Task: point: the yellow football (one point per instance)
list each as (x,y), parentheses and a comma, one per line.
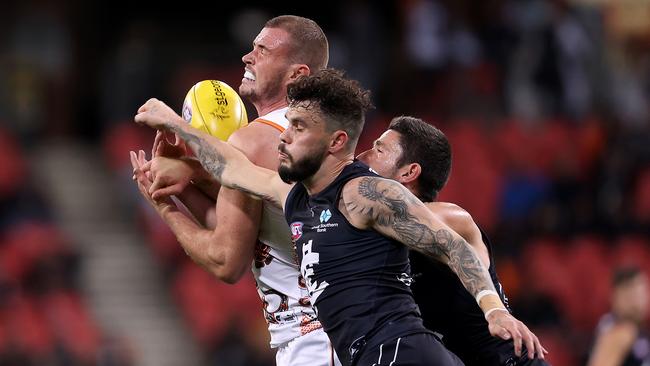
(215,108)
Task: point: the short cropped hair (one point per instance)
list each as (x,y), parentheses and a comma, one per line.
(426,145)
(309,44)
(343,102)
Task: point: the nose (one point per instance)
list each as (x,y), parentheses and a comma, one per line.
(284,136)
(248,58)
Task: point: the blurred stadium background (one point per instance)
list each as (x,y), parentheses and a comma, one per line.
(546,104)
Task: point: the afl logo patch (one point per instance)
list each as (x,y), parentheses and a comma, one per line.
(296,230)
(187,111)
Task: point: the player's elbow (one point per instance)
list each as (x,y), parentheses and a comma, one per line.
(229,276)
(227,267)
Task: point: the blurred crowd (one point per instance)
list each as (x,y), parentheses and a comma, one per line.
(546,104)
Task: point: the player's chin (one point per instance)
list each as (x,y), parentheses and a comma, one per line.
(285,173)
(246,87)
(285,165)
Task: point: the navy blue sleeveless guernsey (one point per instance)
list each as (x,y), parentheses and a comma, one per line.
(358,280)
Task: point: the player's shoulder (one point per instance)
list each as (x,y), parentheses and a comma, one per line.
(375,188)
(257,141)
(449,208)
(452,213)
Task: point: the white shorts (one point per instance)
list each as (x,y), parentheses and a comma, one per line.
(311,349)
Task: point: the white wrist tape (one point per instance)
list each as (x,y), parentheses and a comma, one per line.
(487,313)
(484,293)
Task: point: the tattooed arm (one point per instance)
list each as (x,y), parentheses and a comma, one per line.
(388,207)
(391,209)
(224,162)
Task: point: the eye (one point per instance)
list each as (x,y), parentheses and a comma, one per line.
(296,126)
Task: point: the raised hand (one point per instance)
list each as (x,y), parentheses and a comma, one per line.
(143,180)
(156,114)
(163,145)
(169,176)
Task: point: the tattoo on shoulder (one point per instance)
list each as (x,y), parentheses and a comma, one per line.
(212,160)
(388,203)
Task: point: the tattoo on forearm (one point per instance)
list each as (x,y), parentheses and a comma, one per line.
(212,160)
(214,163)
(439,244)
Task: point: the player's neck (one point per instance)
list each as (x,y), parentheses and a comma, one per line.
(330,169)
(266,107)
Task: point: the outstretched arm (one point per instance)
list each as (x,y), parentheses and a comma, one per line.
(388,207)
(462,222)
(224,162)
(391,209)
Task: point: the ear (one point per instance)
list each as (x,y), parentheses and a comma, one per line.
(409,173)
(339,141)
(297,71)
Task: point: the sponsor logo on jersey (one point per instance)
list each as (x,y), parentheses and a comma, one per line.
(325,216)
(323,227)
(296,230)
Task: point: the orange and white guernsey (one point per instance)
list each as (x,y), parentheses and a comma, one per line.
(283,291)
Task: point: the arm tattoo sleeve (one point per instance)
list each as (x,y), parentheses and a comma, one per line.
(212,160)
(439,244)
(214,163)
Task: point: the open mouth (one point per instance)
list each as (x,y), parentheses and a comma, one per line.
(249,76)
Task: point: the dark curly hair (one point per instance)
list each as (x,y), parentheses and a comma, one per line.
(343,102)
(426,145)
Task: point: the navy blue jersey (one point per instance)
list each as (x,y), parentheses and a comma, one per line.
(358,280)
(458,318)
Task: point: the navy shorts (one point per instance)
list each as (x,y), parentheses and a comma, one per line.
(421,349)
